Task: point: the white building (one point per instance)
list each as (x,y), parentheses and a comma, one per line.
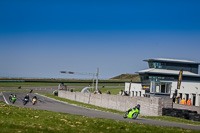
(161,79)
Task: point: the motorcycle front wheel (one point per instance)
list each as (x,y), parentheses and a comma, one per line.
(125,116)
(134,116)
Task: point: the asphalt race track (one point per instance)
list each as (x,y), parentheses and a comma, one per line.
(45,103)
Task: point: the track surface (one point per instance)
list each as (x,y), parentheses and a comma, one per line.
(45,103)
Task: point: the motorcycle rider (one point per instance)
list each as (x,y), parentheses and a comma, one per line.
(34,100)
(10,97)
(27,97)
(14,98)
(34,97)
(138,107)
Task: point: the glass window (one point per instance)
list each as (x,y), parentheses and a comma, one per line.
(158,89)
(151,65)
(157,65)
(152,86)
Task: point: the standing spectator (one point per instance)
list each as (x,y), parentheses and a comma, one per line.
(178,99)
(174,98)
(125,93)
(108,92)
(99,92)
(121,92)
(183,101)
(189,102)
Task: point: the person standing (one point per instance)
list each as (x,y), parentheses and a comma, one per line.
(183,101)
(121,92)
(189,102)
(108,92)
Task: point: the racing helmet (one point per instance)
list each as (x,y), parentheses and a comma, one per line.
(138,106)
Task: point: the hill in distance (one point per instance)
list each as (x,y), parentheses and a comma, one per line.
(127,77)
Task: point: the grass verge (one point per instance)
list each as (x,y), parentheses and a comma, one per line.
(17,119)
(172,119)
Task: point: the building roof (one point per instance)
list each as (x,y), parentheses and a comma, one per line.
(164,71)
(173,60)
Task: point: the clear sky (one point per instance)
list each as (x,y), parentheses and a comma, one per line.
(40,38)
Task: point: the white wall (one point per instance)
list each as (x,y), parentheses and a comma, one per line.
(136,89)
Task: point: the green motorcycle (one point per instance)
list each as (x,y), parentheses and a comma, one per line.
(132,113)
(13,99)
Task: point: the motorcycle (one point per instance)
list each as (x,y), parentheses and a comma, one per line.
(10,98)
(13,100)
(34,101)
(132,113)
(25,101)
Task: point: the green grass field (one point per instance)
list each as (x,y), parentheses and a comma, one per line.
(38,84)
(113,91)
(19,120)
(106,88)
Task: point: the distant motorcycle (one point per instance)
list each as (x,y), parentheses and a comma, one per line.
(10,97)
(13,99)
(132,113)
(25,101)
(34,101)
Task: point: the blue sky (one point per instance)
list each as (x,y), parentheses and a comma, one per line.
(41,38)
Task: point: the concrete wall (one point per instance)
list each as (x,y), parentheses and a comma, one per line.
(187,107)
(149,106)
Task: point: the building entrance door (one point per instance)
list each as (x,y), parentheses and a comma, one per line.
(194,100)
(187,97)
(162,87)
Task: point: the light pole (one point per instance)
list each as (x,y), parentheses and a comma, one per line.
(84,73)
(97,75)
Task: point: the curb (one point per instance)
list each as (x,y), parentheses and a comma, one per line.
(4,98)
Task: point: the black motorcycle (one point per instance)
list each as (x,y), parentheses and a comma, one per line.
(25,101)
